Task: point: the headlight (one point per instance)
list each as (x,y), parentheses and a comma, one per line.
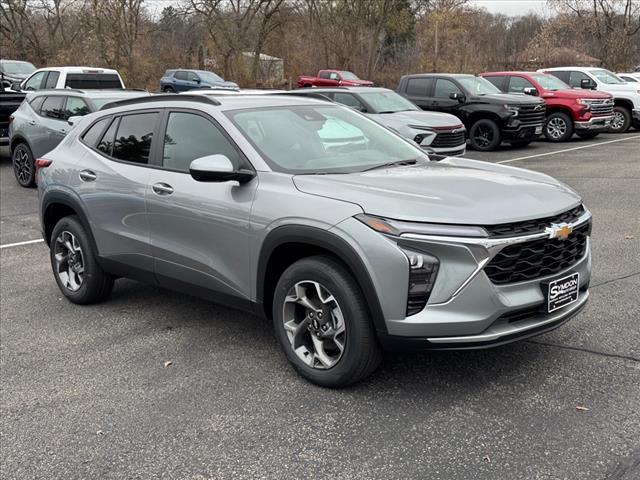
(398,227)
(583,101)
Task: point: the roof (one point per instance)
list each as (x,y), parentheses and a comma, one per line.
(103,93)
(586,69)
(80,69)
(341,90)
(453,75)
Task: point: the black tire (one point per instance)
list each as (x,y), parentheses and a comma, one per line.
(485,135)
(24,167)
(558,127)
(587,135)
(169,90)
(96,284)
(361,352)
(521,144)
(621,119)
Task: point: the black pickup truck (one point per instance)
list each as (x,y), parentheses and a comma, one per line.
(490,116)
(9,103)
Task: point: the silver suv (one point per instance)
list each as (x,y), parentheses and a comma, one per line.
(342,232)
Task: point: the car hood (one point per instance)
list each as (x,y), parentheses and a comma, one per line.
(507,98)
(359,82)
(455,190)
(576,93)
(418,118)
(223,84)
(621,87)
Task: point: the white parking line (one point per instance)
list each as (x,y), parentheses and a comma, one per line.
(569,149)
(18,244)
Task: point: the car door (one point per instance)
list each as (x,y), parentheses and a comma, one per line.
(418,90)
(193,79)
(350,100)
(35,81)
(199,230)
(442,90)
(181,81)
(111,179)
(53,125)
(517,84)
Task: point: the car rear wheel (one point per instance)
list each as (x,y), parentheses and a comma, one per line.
(169,90)
(75,267)
(621,119)
(558,127)
(323,324)
(587,135)
(484,135)
(24,165)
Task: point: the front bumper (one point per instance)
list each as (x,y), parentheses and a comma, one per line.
(594,123)
(521,133)
(449,152)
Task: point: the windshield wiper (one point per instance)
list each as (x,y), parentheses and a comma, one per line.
(398,163)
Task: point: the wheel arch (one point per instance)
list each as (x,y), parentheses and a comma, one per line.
(623,102)
(15,140)
(57,205)
(287,244)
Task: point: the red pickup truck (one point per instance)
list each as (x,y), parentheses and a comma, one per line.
(333,78)
(569,110)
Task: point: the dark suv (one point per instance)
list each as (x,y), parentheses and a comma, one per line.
(490,116)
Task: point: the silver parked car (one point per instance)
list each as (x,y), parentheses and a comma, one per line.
(42,121)
(435,132)
(342,232)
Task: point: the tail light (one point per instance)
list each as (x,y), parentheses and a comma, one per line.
(41,163)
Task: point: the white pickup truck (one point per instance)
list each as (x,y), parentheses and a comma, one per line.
(626,96)
(81,78)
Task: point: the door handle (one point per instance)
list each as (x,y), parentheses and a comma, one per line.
(87,176)
(162,189)
(31,122)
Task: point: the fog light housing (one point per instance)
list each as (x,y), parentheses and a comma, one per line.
(423,269)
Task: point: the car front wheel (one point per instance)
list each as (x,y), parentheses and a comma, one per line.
(323,324)
(558,127)
(75,267)
(24,165)
(485,135)
(621,119)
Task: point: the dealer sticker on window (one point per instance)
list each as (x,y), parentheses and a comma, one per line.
(563,292)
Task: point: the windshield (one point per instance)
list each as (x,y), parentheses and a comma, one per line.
(387,102)
(209,77)
(17,68)
(549,82)
(320,139)
(478,85)
(349,76)
(605,76)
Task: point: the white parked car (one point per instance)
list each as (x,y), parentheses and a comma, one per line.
(82,78)
(626,95)
(633,77)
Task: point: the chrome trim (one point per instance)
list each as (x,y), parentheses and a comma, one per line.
(488,337)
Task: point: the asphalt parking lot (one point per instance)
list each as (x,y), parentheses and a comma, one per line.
(86,394)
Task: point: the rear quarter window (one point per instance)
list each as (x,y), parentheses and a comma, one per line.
(92,134)
(93,81)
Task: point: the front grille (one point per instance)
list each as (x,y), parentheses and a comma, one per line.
(529,227)
(529,115)
(448,139)
(538,258)
(600,107)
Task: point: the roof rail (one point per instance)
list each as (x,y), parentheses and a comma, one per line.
(296,93)
(56,90)
(171,97)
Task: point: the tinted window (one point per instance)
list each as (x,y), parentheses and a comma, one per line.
(92,135)
(34,82)
(497,80)
(52,80)
(180,75)
(564,76)
(190,136)
(324,75)
(418,87)
(93,80)
(575,78)
(106,144)
(133,139)
(444,87)
(76,107)
(518,84)
(53,107)
(349,100)
(36,103)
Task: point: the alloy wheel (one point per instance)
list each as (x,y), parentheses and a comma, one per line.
(69,261)
(618,121)
(22,165)
(483,136)
(314,324)
(556,128)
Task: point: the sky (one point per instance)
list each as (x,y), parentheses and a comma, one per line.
(513,7)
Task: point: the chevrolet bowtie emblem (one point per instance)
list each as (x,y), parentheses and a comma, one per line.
(559,231)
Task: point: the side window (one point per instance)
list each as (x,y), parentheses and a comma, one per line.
(575,78)
(564,76)
(53,107)
(418,87)
(444,87)
(324,75)
(334,76)
(133,138)
(52,80)
(106,144)
(349,100)
(180,75)
(92,135)
(193,77)
(518,84)
(189,136)
(36,103)
(497,80)
(35,81)
(76,107)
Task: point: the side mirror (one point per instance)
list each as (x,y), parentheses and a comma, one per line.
(457,96)
(73,120)
(16,86)
(587,84)
(218,168)
(197,80)
(530,91)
